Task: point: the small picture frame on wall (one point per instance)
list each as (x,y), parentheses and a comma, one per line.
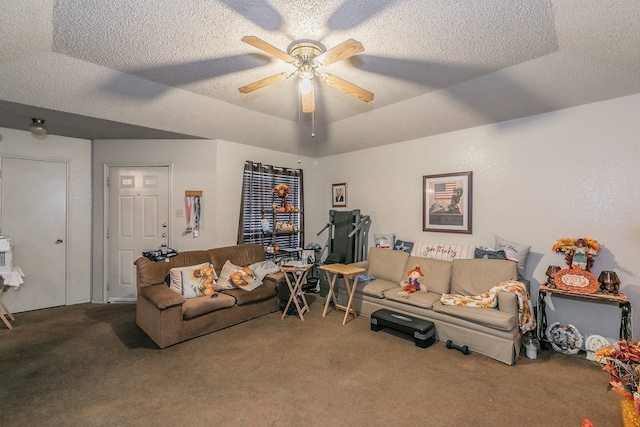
(339,195)
(446,203)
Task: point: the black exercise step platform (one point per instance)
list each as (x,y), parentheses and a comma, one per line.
(424,331)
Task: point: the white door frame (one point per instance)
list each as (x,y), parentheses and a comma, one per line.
(105,213)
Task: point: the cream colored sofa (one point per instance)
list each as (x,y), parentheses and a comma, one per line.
(493,332)
(168,318)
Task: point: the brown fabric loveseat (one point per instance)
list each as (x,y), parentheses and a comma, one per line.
(169,318)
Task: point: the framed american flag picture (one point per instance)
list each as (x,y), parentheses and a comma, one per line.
(447,202)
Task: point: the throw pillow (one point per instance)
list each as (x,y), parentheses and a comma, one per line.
(224,281)
(442,251)
(262,268)
(401,245)
(514,251)
(176,275)
(245,279)
(384,241)
(485,253)
(198,282)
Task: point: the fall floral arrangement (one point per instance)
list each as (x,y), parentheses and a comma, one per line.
(567,246)
(577,251)
(281,190)
(622,361)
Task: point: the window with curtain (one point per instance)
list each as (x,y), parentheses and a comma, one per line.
(257,204)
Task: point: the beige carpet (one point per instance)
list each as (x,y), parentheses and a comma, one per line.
(90,365)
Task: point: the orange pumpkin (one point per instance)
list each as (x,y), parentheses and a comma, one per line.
(282,209)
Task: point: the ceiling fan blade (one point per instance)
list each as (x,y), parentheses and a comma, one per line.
(308,100)
(347,87)
(266,47)
(344,50)
(264,82)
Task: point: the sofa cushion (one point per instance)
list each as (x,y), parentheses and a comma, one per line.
(401,245)
(514,251)
(476,276)
(198,282)
(418,299)
(195,307)
(387,264)
(483,253)
(376,288)
(245,279)
(491,317)
(242,297)
(224,281)
(442,251)
(437,274)
(175,275)
(242,255)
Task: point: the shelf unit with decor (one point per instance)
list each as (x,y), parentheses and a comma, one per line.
(288,241)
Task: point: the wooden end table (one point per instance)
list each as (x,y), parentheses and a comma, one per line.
(333,271)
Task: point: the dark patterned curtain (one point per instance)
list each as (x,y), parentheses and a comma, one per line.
(257,199)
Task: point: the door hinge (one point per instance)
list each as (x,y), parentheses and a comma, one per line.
(107,233)
(108,181)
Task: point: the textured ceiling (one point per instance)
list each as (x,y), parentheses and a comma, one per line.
(170,69)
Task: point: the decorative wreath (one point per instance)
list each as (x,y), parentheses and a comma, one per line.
(565,339)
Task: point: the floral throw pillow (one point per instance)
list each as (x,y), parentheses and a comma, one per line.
(245,279)
(176,275)
(224,281)
(198,282)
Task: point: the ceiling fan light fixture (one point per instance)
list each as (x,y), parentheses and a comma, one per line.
(306,85)
(37,127)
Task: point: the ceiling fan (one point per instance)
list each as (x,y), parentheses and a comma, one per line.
(306,56)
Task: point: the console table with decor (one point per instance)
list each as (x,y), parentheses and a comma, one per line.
(621,299)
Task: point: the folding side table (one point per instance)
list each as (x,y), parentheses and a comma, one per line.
(333,271)
(300,274)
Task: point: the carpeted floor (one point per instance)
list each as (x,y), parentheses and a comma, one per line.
(90,365)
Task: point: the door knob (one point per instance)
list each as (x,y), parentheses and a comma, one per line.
(164,225)
(59,241)
(164,234)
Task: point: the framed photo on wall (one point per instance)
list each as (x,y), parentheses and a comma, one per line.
(446,203)
(339,195)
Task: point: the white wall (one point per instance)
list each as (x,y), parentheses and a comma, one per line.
(215,167)
(77,154)
(570,173)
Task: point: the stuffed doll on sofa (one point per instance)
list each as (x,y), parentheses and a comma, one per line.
(412,283)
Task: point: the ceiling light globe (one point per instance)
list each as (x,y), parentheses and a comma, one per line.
(306,85)
(37,127)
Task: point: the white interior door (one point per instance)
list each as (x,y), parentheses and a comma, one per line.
(138,221)
(34,215)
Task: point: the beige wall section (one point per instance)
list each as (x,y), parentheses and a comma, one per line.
(77,154)
(570,173)
(215,167)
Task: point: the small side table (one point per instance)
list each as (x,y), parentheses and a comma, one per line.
(299,273)
(333,271)
(9,280)
(621,299)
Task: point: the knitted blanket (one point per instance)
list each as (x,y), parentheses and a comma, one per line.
(489,299)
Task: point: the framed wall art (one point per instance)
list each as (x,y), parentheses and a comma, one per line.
(339,195)
(446,203)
